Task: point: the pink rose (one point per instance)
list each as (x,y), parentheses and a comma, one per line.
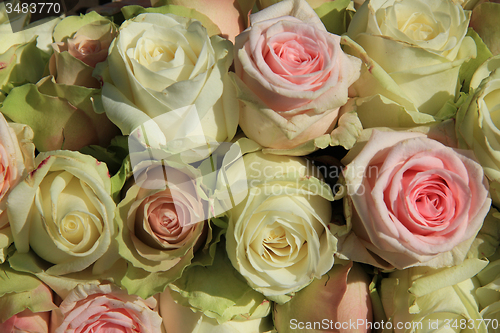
(14,306)
(27,321)
(292,76)
(81,43)
(161,223)
(416,201)
(340,296)
(105,308)
(16,155)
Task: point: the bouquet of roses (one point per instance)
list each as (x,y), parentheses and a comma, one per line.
(247,166)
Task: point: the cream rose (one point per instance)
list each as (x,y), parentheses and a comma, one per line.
(63,211)
(421,299)
(477,122)
(488,292)
(278,237)
(413,50)
(415,201)
(292,76)
(160,63)
(105,308)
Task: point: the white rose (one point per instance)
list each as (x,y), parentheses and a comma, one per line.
(160,63)
(278,237)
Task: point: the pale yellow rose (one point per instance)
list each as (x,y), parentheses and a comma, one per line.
(279,236)
(423,299)
(63,211)
(160,63)
(413,50)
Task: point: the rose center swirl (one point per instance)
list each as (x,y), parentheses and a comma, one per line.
(430,200)
(418,27)
(88,47)
(164,221)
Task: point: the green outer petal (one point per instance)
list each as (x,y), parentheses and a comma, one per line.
(74,71)
(146,284)
(200,288)
(387,84)
(484,71)
(13,281)
(469,68)
(484,21)
(380,111)
(438,294)
(377,307)
(212,28)
(37,300)
(29,65)
(488,237)
(445,277)
(409,109)
(344,134)
(61,116)
(69,25)
(115,155)
(205,255)
(5,241)
(19,291)
(41,28)
(62,285)
(333,16)
(306,148)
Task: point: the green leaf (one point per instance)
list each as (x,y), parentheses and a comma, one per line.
(333,14)
(212,29)
(468,68)
(201,289)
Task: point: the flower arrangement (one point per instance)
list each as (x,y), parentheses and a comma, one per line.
(250,166)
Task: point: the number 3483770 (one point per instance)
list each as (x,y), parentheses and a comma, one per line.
(41,7)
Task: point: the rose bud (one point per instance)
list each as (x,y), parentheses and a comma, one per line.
(292,76)
(81,43)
